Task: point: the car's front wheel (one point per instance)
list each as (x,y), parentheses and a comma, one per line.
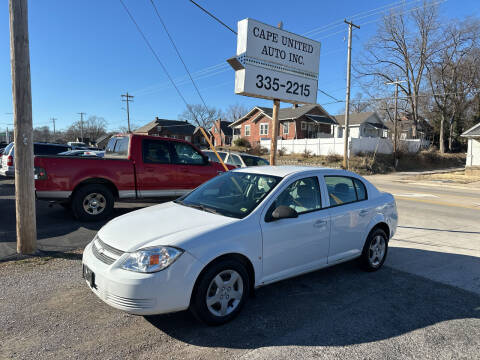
(375,250)
(221,292)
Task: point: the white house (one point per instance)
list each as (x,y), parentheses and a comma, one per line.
(364,124)
(473,152)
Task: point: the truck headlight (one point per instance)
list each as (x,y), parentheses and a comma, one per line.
(151,260)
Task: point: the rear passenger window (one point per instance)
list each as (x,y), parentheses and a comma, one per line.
(156,152)
(361,191)
(340,190)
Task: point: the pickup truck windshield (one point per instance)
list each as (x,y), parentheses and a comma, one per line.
(117,146)
(233,194)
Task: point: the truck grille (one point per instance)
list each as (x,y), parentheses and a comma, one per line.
(105,253)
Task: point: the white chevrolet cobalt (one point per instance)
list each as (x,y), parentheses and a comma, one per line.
(241,230)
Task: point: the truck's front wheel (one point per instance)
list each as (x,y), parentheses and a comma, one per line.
(92,202)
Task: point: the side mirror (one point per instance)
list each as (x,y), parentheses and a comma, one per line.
(284,212)
(206,160)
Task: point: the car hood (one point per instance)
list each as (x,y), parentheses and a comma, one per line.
(165,224)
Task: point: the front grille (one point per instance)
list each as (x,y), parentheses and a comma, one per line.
(105,253)
(129,302)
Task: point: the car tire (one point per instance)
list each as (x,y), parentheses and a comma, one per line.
(375,250)
(92,202)
(220,292)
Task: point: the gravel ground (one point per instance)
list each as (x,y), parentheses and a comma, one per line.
(47,311)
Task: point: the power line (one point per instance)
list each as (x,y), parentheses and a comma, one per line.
(330,96)
(213,16)
(183,62)
(153,51)
(173,83)
(217,69)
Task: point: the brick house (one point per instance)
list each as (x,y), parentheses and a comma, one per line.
(307,121)
(175,129)
(225,135)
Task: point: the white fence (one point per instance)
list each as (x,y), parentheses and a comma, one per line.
(330,146)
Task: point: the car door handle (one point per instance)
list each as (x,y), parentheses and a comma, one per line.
(150,170)
(319,223)
(363,212)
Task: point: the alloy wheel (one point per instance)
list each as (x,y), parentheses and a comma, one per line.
(224,293)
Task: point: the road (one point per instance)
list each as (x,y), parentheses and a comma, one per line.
(424,303)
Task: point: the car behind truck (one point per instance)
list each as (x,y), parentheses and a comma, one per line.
(134,167)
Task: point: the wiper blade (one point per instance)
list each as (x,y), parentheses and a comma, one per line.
(201,207)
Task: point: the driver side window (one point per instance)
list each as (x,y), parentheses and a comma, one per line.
(186,154)
(302,195)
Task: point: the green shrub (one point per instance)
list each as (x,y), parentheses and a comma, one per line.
(242,142)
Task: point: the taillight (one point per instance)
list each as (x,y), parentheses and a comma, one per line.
(40,174)
(10,160)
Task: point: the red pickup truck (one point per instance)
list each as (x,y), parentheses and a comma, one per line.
(134,167)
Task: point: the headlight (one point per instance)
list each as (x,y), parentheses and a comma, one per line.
(151,259)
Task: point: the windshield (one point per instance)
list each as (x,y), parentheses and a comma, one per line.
(233,194)
(254,160)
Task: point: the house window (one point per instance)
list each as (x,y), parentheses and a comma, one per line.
(247,130)
(304,125)
(286,126)
(264,129)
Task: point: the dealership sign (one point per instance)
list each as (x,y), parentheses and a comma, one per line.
(275,64)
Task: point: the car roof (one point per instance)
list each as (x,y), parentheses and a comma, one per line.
(233,153)
(282,170)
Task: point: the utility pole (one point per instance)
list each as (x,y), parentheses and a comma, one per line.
(127,100)
(347,102)
(275,124)
(53,121)
(395,116)
(23,134)
(81,124)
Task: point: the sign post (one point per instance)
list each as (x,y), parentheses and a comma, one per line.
(275,64)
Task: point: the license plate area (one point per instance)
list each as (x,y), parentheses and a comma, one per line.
(89,276)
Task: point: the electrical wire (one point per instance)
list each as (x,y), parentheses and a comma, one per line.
(213,16)
(183,62)
(223,67)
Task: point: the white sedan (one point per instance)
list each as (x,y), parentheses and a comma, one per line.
(208,250)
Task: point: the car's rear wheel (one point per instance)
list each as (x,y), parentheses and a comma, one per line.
(375,250)
(221,292)
(92,202)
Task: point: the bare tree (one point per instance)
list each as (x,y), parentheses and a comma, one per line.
(198,115)
(453,74)
(403,45)
(357,105)
(235,112)
(93,128)
(42,134)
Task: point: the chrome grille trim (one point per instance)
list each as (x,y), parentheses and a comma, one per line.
(109,248)
(108,255)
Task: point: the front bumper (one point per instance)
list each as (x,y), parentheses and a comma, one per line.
(162,292)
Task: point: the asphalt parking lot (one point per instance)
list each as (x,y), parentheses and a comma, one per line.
(425,303)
